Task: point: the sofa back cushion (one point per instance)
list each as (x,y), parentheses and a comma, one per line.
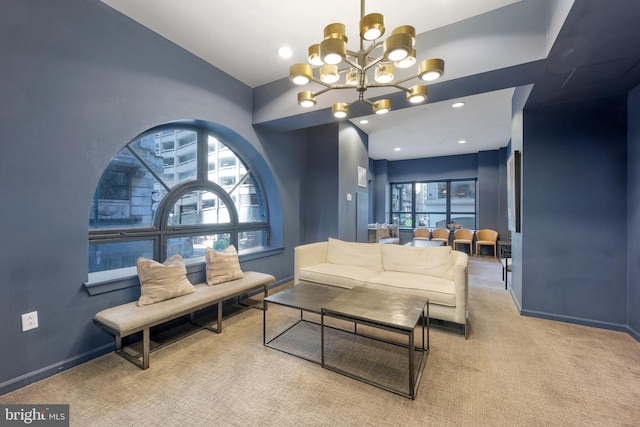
(366,255)
(430,261)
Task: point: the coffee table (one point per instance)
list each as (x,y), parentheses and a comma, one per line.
(305,297)
(389,311)
(392,313)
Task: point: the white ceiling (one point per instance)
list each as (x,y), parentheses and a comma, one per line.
(236,35)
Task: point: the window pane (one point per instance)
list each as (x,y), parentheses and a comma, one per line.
(195,246)
(403,219)
(198,207)
(248,201)
(109,256)
(401,198)
(127,195)
(228,171)
(467,220)
(171,153)
(252,239)
(463,196)
(431,220)
(437,220)
(436,196)
(224,167)
(421,196)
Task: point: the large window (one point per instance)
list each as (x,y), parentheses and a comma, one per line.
(434,204)
(175,190)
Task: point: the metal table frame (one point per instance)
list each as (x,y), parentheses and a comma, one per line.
(356,317)
(317,299)
(287,298)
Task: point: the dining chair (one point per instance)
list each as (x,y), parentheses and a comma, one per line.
(463,236)
(421,233)
(487,237)
(440,235)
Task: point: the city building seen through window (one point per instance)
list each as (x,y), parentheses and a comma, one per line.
(175,190)
(434,204)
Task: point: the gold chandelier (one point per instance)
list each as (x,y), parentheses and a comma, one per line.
(396,51)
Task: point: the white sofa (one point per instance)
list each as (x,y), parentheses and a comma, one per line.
(438,273)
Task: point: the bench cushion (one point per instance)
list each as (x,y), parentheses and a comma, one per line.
(129,318)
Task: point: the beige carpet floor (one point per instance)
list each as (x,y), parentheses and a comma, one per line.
(511,371)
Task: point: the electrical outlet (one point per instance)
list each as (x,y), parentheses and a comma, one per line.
(29,321)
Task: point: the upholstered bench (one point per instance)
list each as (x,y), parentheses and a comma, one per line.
(129,318)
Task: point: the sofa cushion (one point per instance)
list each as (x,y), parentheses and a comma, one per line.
(439,291)
(429,261)
(345,276)
(365,255)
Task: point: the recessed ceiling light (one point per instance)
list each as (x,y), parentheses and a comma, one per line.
(397,149)
(284,52)
(457,104)
(462,141)
(364,121)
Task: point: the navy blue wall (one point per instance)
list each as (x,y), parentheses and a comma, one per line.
(574,262)
(489,191)
(353,153)
(319,209)
(487,166)
(633,215)
(78,81)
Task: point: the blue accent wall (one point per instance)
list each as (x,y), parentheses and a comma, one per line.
(633,214)
(489,191)
(319,205)
(488,167)
(78,81)
(574,235)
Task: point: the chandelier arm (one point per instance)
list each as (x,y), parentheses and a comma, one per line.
(353,64)
(320,92)
(330,87)
(372,63)
(371,48)
(405,79)
(320,82)
(397,86)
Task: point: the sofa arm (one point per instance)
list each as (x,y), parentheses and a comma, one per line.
(461,277)
(308,255)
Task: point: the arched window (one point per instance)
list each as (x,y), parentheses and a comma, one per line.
(175,189)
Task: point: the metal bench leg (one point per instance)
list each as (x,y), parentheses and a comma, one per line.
(146,338)
(146,349)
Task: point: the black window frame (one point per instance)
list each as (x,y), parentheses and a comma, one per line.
(160,231)
(414,213)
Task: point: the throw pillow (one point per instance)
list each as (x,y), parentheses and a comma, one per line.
(383,232)
(223,266)
(159,282)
